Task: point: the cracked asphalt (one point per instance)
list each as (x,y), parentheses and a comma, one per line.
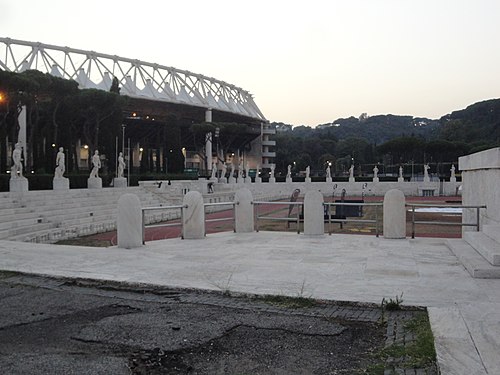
(62,326)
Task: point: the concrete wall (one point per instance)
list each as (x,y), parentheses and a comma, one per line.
(326,188)
(481,185)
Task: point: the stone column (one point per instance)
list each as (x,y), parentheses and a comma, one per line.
(243,211)
(314,221)
(193,216)
(394,214)
(129,222)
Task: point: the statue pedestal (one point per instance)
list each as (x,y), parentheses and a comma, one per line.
(351,179)
(223,180)
(119,182)
(308,180)
(272,180)
(328,179)
(288,180)
(427,179)
(232,180)
(401,179)
(60,183)
(453,179)
(375,179)
(248,180)
(94,183)
(258,180)
(18,184)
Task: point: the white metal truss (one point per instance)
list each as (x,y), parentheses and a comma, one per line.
(138,79)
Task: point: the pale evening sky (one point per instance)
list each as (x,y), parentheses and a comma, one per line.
(305,62)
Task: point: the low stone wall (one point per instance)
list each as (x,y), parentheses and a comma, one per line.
(481,186)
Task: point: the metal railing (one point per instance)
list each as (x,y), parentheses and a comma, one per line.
(415,222)
(297,218)
(266,217)
(345,220)
(182,207)
(144,209)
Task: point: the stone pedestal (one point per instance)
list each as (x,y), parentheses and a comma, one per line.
(258,180)
(243,211)
(272,180)
(193,216)
(394,214)
(94,183)
(248,180)
(427,179)
(453,179)
(375,179)
(351,179)
(18,184)
(232,180)
(329,179)
(60,183)
(223,180)
(308,180)
(119,182)
(129,222)
(401,179)
(288,180)
(314,223)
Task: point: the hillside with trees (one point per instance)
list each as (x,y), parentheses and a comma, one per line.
(389,141)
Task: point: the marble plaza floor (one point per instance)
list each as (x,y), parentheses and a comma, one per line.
(464,312)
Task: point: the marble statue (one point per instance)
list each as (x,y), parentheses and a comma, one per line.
(452,170)
(272,171)
(289,171)
(308,171)
(375,172)
(351,172)
(214,171)
(224,170)
(17,168)
(400,172)
(328,172)
(60,163)
(121,165)
(247,170)
(426,172)
(96,165)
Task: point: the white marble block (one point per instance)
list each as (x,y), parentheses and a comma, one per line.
(308,180)
(401,179)
(129,222)
(18,184)
(119,182)
(232,180)
(394,214)
(328,179)
(193,216)
(272,180)
(258,180)
(94,183)
(243,211)
(375,179)
(288,180)
(314,221)
(352,179)
(60,183)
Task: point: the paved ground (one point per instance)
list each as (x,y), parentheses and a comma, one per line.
(60,326)
(464,312)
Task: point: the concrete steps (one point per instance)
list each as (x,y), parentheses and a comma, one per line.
(484,245)
(479,252)
(474,262)
(50,216)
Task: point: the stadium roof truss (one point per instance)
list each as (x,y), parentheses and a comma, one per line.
(138,79)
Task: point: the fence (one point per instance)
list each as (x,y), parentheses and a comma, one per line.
(415,222)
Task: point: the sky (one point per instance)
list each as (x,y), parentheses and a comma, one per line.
(305,62)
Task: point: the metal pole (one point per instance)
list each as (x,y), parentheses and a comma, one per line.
(128,174)
(298,219)
(143,228)
(256,210)
(376,220)
(477,218)
(413,222)
(116,156)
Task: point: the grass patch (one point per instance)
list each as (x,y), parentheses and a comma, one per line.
(289,302)
(419,354)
